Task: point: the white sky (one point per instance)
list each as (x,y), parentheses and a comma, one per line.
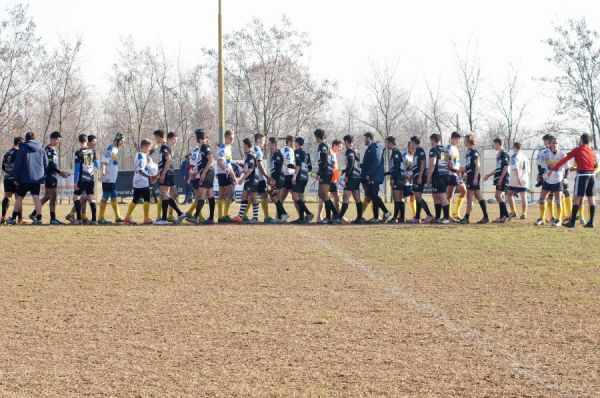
(345,34)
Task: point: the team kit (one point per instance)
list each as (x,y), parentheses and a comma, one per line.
(410,172)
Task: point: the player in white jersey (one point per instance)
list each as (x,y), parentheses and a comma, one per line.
(261,174)
(540,177)
(288,170)
(518,182)
(408,188)
(455,180)
(145,175)
(226,177)
(552,181)
(110,172)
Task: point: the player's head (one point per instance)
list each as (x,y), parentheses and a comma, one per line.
(516,148)
(200,136)
(248,144)
(55,137)
(546,138)
(289,140)
(436,139)
(299,142)
(159,136)
(553,143)
(172,138)
(336,146)
(272,144)
(470,140)
(498,143)
(29,136)
(348,140)
(83,140)
(92,141)
(368,138)
(119,139)
(145,146)
(584,139)
(320,135)
(259,139)
(18,141)
(390,142)
(228,137)
(455,138)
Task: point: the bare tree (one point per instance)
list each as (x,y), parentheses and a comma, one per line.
(576,53)
(435,111)
(469,72)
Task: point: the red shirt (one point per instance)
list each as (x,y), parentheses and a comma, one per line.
(584,157)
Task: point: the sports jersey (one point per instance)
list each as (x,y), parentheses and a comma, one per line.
(519,163)
(84,166)
(111,161)
(548,161)
(441,165)
(166,152)
(52,168)
(335,177)
(276,164)
(304,163)
(258,154)
(141,162)
(289,162)
(324,160)
(407,165)
(454,155)
(502,160)
(250,164)
(470,162)
(224,159)
(199,159)
(419,158)
(396,168)
(353,168)
(8,163)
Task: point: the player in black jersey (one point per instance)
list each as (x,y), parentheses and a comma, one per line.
(501,175)
(249,180)
(325,175)
(10,186)
(303,169)
(397,180)
(351,175)
(84,179)
(472,169)
(277,179)
(438,175)
(166,179)
(202,175)
(419,179)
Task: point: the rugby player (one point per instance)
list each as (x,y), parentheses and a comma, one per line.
(419,179)
(472,170)
(373,175)
(84,179)
(51,181)
(142,182)
(408,186)
(10,186)
(438,175)
(501,175)
(166,179)
(553,183)
(250,182)
(226,177)
(585,180)
(303,168)
(455,181)
(261,171)
(202,174)
(540,177)
(397,180)
(325,174)
(518,181)
(110,172)
(288,170)
(276,179)
(352,181)
(336,148)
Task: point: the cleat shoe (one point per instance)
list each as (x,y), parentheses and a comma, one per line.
(180,219)
(569,225)
(337,220)
(210,221)
(523,217)
(56,222)
(119,220)
(91,222)
(392,221)
(37,222)
(442,221)
(238,220)
(129,221)
(483,221)
(582,221)
(386,216)
(245,219)
(161,222)
(358,221)
(104,221)
(269,220)
(251,222)
(298,221)
(171,219)
(308,218)
(429,220)
(324,222)
(500,220)
(148,221)
(415,221)
(464,221)
(589,225)
(540,222)
(191,219)
(284,218)
(372,221)
(556,223)
(227,219)
(70,218)
(32,217)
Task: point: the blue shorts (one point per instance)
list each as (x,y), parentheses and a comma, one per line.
(552,187)
(109,190)
(517,189)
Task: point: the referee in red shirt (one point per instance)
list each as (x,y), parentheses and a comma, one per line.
(585,181)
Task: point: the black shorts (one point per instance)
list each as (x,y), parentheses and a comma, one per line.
(169,181)
(300,186)
(399,184)
(333,188)
(585,184)
(407,191)
(474,185)
(87,187)
(502,188)
(209,181)
(34,189)
(439,184)
(141,193)
(517,189)
(325,179)
(419,188)
(251,186)
(372,189)
(288,182)
(224,180)
(261,188)
(109,187)
(10,186)
(279,183)
(51,182)
(353,184)
(454,180)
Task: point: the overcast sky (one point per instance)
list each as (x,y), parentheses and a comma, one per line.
(423,35)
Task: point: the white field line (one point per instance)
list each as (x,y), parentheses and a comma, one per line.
(530,371)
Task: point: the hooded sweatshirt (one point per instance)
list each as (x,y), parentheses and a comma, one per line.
(31,163)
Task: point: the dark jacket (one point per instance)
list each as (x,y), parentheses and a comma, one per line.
(31,163)
(373,163)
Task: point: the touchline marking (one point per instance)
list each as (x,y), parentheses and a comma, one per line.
(530,371)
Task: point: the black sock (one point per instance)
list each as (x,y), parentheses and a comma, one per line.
(211,208)
(396,209)
(15,215)
(483,206)
(5,204)
(438,210)
(199,207)
(418,212)
(402,211)
(375,211)
(359,210)
(300,210)
(78,209)
(467,215)
(425,207)
(503,209)
(38,217)
(592,213)
(328,205)
(52,215)
(381,205)
(93,208)
(343,210)
(446,209)
(173,204)
(165,208)
(279,208)
(304,208)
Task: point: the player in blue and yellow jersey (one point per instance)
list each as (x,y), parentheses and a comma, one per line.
(110,172)
(226,177)
(455,180)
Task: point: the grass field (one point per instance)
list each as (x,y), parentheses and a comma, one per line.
(300,311)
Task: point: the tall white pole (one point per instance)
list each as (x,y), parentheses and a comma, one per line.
(221,82)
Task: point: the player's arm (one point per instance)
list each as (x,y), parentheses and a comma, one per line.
(421,171)
(477,162)
(564,160)
(349,165)
(504,170)
(322,161)
(247,172)
(432,163)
